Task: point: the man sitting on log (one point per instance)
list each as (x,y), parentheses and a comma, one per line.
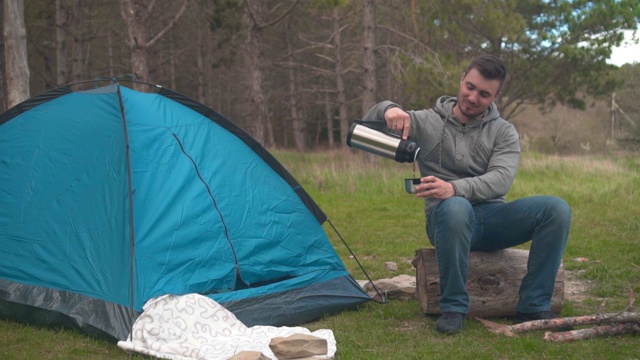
(468,160)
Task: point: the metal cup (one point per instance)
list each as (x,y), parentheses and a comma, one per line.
(410,185)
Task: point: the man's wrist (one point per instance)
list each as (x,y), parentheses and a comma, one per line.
(455,190)
(390,106)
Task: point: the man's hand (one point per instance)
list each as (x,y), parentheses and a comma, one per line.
(432,187)
(398,120)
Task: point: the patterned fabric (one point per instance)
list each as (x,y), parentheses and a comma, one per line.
(190,327)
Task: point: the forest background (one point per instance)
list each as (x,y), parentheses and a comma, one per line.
(295,74)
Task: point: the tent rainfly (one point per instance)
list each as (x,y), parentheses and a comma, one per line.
(111,197)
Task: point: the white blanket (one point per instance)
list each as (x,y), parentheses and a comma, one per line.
(190,327)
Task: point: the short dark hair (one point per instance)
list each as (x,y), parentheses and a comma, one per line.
(491,67)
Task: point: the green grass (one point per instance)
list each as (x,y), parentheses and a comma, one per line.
(366,202)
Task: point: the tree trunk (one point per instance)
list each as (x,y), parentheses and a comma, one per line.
(340,86)
(492,284)
(3,83)
(368,58)
(136,16)
(15,41)
(329,122)
(78,68)
(369,64)
(258,105)
(110,53)
(202,53)
(297,122)
(172,65)
(62,64)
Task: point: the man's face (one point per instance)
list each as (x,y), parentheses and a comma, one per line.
(476,94)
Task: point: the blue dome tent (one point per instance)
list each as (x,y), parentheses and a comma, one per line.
(110,197)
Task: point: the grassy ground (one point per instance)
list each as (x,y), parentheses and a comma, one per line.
(367,205)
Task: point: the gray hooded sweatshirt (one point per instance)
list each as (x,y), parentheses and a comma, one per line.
(480,158)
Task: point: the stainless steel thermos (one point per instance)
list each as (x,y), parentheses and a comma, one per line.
(380,142)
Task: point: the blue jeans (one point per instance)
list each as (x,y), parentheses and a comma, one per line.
(455,227)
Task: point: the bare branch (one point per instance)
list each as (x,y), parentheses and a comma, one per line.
(414,40)
(169,26)
(627,316)
(598,331)
(617,108)
(283,15)
(260,26)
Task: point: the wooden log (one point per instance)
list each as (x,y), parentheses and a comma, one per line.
(492,284)
(598,331)
(624,317)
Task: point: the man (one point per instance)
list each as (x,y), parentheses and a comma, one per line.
(468,160)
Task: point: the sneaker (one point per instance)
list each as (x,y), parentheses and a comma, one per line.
(542,315)
(450,322)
